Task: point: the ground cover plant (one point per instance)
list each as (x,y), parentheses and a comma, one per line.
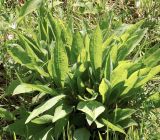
(76,81)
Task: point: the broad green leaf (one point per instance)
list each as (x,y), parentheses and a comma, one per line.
(19,55)
(152,57)
(24,88)
(6,115)
(119,74)
(86,45)
(108,68)
(133,79)
(95,50)
(55,26)
(61,111)
(127,123)
(134,27)
(18,127)
(81,134)
(30,40)
(43,119)
(51,67)
(67,36)
(108,41)
(44,107)
(99,125)
(82,58)
(42,28)
(40,70)
(122,114)
(104,88)
(126,42)
(21,129)
(81,69)
(44,133)
(60,62)
(92,109)
(130,44)
(59,127)
(90,91)
(29,7)
(46,136)
(139,78)
(28,48)
(13,84)
(77,46)
(149,76)
(112,126)
(113,54)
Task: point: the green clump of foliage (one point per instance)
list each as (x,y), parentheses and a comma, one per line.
(78,85)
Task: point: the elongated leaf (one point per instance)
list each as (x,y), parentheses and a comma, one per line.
(133,79)
(95,49)
(67,36)
(61,111)
(122,114)
(28,48)
(127,123)
(44,107)
(19,55)
(81,134)
(44,133)
(22,130)
(108,41)
(24,88)
(29,7)
(86,45)
(112,126)
(77,46)
(140,77)
(108,68)
(100,136)
(60,62)
(12,86)
(55,26)
(51,67)
(134,27)
(152,57)
(104,88)
(18,127)
(131,44)
(149,76)
(43,119)
(46,136)
(113,54)
(119,74)
(31,41)
(92,109)
(40,70)
(59,127)
(43,27)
